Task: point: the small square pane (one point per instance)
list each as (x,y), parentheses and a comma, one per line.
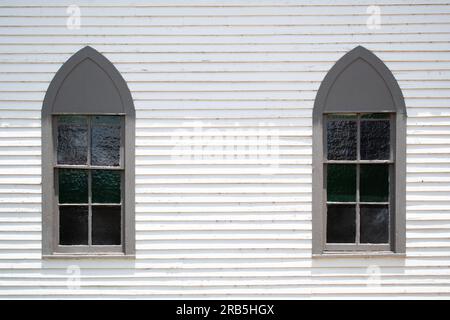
(341,139)
(375,140)
(73,186)
(341,223)
(105,141)
(106,186)
(341,182)
(374,223)
(374,183)
(73,225)
(72,140)
(106,225)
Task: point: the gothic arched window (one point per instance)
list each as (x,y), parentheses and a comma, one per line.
(359,150)
(88,125)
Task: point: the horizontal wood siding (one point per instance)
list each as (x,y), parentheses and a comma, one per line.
(215,218)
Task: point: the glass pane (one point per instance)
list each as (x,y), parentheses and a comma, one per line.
(105,141)
(73,186)
(106,225)
(341,140)
(375,140)
(375,116)
(346,116)
(374,224)
(73,225)
(374,183)
(341,223)
(108,120)
(106,186)
(341,182)
(72,140)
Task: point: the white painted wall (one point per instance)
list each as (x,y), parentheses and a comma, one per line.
(225,227)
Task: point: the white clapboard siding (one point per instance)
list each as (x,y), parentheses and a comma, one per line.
(215,218)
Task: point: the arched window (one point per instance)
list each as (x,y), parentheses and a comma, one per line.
(88,124)
(359,151)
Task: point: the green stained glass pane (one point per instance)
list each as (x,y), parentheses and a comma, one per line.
(375,116)
(106,186)
(349,116)
(73,186)
(75,120)
(107,120)
(374,183)
(341,182)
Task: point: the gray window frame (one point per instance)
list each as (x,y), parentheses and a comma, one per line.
(363,101)
(76,99)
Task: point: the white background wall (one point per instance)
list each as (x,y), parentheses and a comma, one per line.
(218,227)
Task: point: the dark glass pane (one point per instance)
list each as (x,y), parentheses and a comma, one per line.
(375,140)
(72,140)
(73,186)
(346,116)
(106,186)
(374,224)
(375,116)
(341,223)
(374,183)
(341,140)
(105,141)
(73,225)
(106,225)
(108,120)
(341,182)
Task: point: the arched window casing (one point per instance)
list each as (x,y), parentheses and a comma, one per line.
(348,153)
(88,134)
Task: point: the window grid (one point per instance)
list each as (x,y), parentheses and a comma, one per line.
(89,169)
(358,162)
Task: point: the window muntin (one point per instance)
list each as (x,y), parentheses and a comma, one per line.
(89,177)
(358,171)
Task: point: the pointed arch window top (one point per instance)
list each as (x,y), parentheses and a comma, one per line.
(359,82)
(88,83)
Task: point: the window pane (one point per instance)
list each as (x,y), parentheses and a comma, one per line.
(374,224)
(375,116)
(72,140)
(106,225)
(105,141)
(375,136)
(374,183)
(106,186)
(73,186)
(341,140)
(341,182)
(73,225)
(341,224)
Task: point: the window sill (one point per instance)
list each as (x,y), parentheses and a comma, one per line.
(88,256)
(374,254)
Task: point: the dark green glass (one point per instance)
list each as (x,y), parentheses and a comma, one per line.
(106,186)
(73,186)
(374,183)
(348,116)
(107,120)
(375,116)
(341,182)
